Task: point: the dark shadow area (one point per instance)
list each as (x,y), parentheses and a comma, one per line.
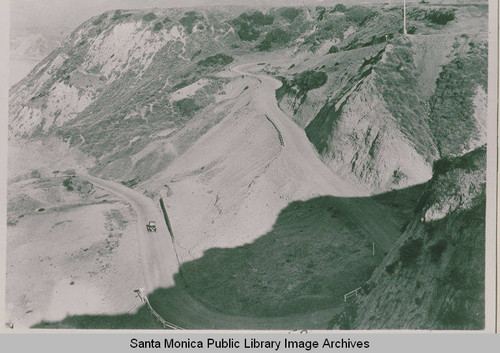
(294,276)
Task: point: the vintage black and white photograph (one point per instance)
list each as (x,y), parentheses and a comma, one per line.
(249,165)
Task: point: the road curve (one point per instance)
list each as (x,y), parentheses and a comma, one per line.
(156,248)
(299,154)
(160,264)
(298,157)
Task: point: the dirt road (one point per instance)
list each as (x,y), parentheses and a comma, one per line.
(160,265)
(299,155)
(299,160)
(156,248)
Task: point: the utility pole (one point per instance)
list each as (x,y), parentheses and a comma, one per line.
(404,17)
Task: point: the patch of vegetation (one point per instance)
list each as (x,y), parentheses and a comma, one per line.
(149,17)
(189,19)
(289,13)
(41,209)
(158,26)
(409,251)
(248,24)
(68,184)
(100,19)
(285,88)
(308,80)
(452,105)
(187,106)
(340,8)
(391,267)
(248,33)
(118,15)
(321,13)
(440,16)
(333,49)
(166,20)
(275,37)
(35,173)
(220,59)
(131,183)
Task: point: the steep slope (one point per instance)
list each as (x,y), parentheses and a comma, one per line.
(433,278)
(388,116)
(128,79)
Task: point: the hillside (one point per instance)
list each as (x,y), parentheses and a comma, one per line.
(433,278)
(388,116)
(289,145)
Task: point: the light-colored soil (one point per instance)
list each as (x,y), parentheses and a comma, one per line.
(72,252)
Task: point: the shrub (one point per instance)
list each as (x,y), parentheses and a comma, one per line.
(340,8)
(220,59)
(391,267)
(67,182)
(35,173)
(333,49)
(277,36)
(158,26)
(248,23)
(441,16)
(149,17)
(309,80)
(41,209)
(187,106)
(166,20)
(321,12)
(70,188)
(189,19)
(409,252)
(436,250)
(247,32)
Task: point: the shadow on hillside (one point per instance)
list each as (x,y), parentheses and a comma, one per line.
(294,276)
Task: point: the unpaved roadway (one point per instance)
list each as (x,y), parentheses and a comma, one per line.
(160,264)
(300,160)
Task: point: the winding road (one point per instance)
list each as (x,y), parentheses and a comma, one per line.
(299,159)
